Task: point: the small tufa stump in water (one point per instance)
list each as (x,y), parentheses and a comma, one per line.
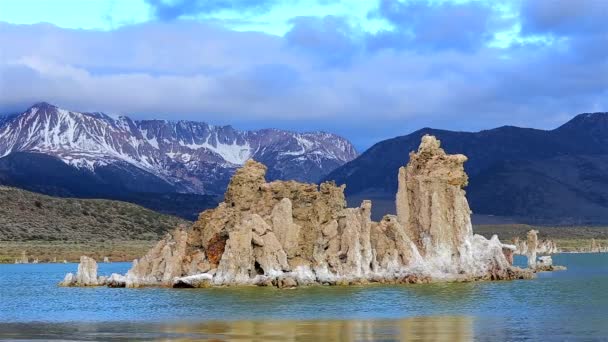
(545,264)
(86,275)
(23,259)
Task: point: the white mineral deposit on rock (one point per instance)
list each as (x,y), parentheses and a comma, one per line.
(545,260)
(197,280)
(116,280)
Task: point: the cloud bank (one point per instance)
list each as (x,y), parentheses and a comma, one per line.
(435,65)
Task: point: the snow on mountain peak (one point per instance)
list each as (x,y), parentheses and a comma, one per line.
(179,152)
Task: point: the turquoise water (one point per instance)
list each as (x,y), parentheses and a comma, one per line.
(563,305)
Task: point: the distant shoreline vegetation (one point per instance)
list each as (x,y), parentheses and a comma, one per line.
(48,228)
(568,239)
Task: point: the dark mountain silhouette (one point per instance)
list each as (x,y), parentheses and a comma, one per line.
(555,176)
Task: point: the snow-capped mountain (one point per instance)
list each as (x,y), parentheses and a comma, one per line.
(192,157)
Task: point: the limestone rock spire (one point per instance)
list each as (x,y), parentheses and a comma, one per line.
(532,248)
(431,202)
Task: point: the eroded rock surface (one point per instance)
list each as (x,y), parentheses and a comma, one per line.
(286,234)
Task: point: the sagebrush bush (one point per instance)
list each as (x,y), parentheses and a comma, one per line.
(26,216)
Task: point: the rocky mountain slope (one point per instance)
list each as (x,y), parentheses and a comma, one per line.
(555,176)
(67,153)
(27,216)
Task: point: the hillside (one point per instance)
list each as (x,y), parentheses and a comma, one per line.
(45,174)
(27,216)
(524,175)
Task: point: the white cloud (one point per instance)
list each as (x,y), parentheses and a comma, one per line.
(190,70)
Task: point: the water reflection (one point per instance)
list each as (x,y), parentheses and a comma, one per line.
(450,328)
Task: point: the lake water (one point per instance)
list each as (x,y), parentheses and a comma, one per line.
(566,305)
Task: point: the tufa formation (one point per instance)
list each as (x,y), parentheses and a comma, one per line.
(287,234)
(543,247)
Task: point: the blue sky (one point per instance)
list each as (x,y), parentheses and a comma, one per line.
(271,17)
(367,69)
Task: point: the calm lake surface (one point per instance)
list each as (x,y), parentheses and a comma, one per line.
(567,305)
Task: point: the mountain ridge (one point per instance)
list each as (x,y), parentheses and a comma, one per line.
(118,155)
(87,140)
(506,158)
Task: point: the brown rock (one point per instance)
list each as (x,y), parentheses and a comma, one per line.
(287,282)
(215,248)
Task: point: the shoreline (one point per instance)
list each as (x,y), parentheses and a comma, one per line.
(128,250)
(70,251)
(47,262)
